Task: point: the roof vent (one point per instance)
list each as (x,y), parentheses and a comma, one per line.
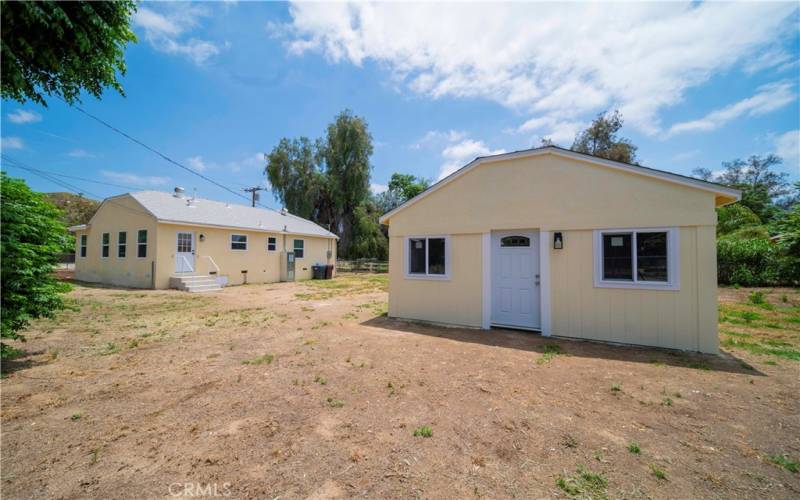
(284,211)
(178,192)
(190,202)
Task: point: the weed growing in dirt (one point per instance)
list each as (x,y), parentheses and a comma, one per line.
(76,416)
(666,402)
(569,441)
(771,363)
(54,354)
(109,348)
(659,473)
(321,324)
(583,484)
(769,347)
(320,380)
(616,388)
(335,403)
(634,448)
(348,316)
(784,298)
(133,344)
(423,431)
(756,298)
(265,359)
(550,352)
(792,466)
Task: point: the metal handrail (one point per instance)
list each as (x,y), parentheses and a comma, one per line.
(211,259)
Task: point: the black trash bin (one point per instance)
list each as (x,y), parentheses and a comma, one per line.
(318,272)
(329,271)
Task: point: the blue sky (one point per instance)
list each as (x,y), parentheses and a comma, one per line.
(215,85)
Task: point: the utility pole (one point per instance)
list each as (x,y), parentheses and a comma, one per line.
(254,192)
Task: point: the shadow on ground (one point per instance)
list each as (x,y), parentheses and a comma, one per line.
(26,359)
(533,342)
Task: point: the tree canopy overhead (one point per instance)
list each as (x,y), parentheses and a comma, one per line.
(601,139)
(61,48)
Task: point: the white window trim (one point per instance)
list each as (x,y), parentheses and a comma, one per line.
(104,245)
(426,276)
(673,260)
(146,243)
(294,248)
(82,246)
(246,242)
(122,244)
(276,243)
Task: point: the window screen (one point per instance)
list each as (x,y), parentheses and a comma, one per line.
(299,248)
(617,257)
(272,243)
(141,244)
(122,244)
(83,245)
(106,243)
(436,264)
(651,256)
(416,253)
(238,242)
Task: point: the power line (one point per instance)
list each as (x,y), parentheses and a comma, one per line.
(157,152)
(254,192)
(79,178)
(69,187)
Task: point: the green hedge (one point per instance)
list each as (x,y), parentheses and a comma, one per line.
(755,262)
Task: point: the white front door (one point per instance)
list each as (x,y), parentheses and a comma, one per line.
(184,253)
(515,279)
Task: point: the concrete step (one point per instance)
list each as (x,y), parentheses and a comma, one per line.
(194,283)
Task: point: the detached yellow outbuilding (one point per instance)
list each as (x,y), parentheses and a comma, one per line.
(563,243)
(152,239)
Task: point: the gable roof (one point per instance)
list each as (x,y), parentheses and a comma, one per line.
(167,208)
(729,195)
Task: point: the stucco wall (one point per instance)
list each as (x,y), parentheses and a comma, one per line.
(262,266)
(115,215)
(551,193)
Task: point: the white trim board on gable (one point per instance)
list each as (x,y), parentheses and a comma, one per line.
(734,194)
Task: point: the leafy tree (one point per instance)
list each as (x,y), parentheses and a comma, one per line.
(733,217)
(369,240)
(326,181)
(297,179)
(33,237)
(75,209)
(760,185)
(600,139)
(402,187)
(345,151)
(61,48)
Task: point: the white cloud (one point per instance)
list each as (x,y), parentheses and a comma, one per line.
(135,179)
(434,137)
(197,163)
(23,116)
(564,61)
(768,98)
(787,146)
(458,154)
(12,143)
(80,153)
(561,132)
(378,188)
(166,30)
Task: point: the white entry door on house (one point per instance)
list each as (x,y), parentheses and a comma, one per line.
(515,279)
(184,253)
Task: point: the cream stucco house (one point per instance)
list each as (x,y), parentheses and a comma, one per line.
(562,243)
(152,239)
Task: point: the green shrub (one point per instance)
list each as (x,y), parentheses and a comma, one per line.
(748,261)
(734,217)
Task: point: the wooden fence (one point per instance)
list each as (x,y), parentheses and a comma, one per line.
(362,266)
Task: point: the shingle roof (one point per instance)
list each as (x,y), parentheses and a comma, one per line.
(168,208)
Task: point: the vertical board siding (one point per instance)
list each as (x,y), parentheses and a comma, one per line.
(679,319)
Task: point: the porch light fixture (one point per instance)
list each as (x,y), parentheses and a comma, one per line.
(558,241)
(202,237)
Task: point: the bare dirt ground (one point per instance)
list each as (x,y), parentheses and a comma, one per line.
(307,390)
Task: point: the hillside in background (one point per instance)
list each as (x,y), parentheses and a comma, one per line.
(77,209)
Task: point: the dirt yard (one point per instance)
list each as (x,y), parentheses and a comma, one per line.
(309,391)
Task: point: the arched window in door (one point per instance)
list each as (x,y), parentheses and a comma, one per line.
(515,241)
